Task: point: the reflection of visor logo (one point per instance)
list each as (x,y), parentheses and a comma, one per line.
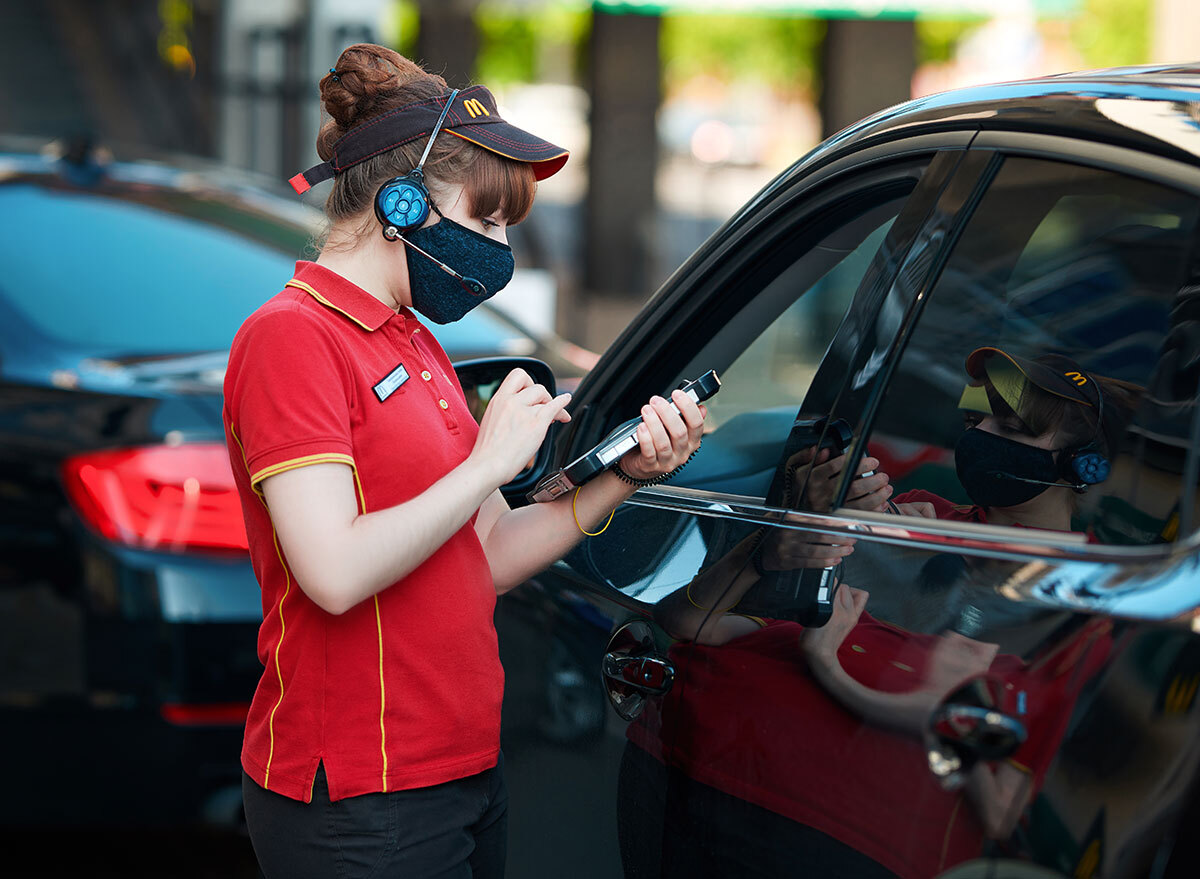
(1077,377)
(475,108)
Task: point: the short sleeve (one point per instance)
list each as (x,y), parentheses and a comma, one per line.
(288,394)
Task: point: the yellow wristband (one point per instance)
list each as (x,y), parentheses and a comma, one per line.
(688,593)
(575,513)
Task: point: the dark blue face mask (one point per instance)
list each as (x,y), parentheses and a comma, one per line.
(435,292)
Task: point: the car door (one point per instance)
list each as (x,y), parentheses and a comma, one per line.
(989,695)
(761,304)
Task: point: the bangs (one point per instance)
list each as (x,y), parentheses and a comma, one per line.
(1040,412)
(496,184)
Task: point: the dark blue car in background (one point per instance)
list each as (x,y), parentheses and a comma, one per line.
(128,607)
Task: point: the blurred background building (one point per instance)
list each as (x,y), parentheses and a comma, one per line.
(676,111)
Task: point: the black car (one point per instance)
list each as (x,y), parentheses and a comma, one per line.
(1022,702)
(1018,701)
(128,606)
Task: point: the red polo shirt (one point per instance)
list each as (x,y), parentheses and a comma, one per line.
(753,723)
(404,689)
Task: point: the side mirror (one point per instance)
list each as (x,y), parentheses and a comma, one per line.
(480,379)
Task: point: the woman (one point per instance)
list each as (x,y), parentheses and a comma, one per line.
(371,499)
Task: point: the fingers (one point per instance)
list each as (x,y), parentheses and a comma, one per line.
(555,409)
(514,382)
(867,485)
(860,597)
(827,467)
(534,394)
(790,551)
(672,421)
(689,411)
(876,500)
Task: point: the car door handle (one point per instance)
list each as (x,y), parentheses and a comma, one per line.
(649,674)
(633,670)
(969,727)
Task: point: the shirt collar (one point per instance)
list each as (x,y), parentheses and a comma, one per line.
(335,292)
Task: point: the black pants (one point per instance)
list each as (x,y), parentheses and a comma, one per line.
(456,830)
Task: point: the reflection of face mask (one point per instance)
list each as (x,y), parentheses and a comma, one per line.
(437,294)
(991,468)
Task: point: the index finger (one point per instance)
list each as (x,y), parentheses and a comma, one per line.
(554,410)
(516,381)
(689,409)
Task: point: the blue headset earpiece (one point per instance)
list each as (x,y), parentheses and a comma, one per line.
(1084,466)
(402,203)
(1087,464)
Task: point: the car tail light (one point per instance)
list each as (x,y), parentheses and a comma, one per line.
(174,498)
(220,714)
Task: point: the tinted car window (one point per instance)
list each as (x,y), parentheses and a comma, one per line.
(1057,260)
(774,346)
(788,310)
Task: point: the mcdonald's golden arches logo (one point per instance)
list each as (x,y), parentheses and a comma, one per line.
(1078,377)
(475,108)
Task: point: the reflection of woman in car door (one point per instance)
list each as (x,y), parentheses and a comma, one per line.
(866,790)
(376,527)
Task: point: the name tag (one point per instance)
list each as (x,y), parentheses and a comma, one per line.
(389,383)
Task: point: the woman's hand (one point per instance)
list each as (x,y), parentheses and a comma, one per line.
(865,493)
(787,550)
(821,645)
(666,439)
(514,425)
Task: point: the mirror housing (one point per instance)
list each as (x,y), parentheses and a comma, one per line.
(479,379)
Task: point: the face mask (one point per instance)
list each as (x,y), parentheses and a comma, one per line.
(439,295)
(991,468)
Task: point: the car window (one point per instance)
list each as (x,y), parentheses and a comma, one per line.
(768,353)
(786,307)
(1043,386)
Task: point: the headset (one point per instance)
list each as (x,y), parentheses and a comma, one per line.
(1081,466)
(402,205)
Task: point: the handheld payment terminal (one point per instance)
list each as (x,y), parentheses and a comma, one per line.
(610,449)
(804,595)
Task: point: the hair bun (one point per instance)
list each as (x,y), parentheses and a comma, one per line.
(369,80)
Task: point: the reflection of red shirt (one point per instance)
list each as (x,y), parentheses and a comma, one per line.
(953,512)
(943,508)
(748,719)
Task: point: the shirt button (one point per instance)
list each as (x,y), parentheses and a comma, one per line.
(426,375)
(443,404)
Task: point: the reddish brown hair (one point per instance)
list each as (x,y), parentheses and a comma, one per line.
(375,79)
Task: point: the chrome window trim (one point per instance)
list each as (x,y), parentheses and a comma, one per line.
(1014,544)
(1159,583)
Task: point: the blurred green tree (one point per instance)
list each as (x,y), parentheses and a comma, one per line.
(938,38)
(778,51)
(1113,33)
(518,44)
